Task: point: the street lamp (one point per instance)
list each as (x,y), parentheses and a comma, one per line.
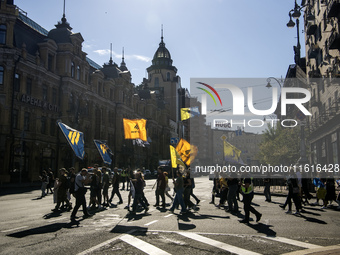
(296,13)
(278,81)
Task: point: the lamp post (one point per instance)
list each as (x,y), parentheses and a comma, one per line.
(296,13)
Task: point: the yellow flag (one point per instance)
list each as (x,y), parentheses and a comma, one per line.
(185,113)
(135,129)
(231,153)
(173,157)
(183,148)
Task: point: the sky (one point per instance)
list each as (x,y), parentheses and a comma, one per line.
(206,38)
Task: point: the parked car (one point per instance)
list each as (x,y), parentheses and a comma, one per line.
(147,173)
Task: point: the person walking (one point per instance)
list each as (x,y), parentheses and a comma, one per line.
(267,189)
(115,185)
(167,188)
(62,186)
(106,185)
(232,193)
(179,188)
(138,193)
(160,187)
(82,179)
(248,195)
(44,182)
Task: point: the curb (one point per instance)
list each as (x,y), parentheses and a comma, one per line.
(327,250)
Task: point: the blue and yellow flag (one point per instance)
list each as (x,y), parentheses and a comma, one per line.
(75,139)
(187,113)
(104,151)
(186,151)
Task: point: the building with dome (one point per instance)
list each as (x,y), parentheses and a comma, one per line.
(46,77)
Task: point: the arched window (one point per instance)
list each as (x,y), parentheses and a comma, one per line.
(156,82)
(78,73)
(3,30)
(2,75)
(72,69)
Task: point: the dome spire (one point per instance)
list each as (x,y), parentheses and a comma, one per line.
(123,65)
(64,22)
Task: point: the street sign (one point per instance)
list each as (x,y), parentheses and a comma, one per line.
(174,140)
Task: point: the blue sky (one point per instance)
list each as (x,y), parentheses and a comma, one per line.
(206,38)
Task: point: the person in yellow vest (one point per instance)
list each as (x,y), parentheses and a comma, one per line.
(248,194)
(123,176)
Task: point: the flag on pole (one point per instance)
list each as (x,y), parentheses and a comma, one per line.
(231,153)
(186,151)
(75,139)
(187,113)
(104,151)
(135,129)
(175,158)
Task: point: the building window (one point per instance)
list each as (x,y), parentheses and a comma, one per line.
(78,73)
(28,86)
(111,95)
(44,92)
(15,119)
(43,125)
(156,82)
(2,71)
(27,121)
(3,30)
(17,83)
(54,96)
(52,127)
(72,69)
(168,76)
(50,62)
(336,99)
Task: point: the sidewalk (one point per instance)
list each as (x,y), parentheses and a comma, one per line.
(328,250)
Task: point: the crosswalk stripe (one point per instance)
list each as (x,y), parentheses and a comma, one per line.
(292,242)
(143,246)
(151,222)
(223,246)
(13,229)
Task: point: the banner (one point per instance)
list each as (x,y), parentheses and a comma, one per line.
(135,129)
(186,151)
(104,151)
(231,153)
(187,113)
(75,139)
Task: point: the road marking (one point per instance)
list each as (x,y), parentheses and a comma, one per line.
(143,246)
(13,229)
(90,250)
(223,246)
(292,242)
(168,215)
(152,222)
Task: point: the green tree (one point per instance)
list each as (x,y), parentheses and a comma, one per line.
(280,145)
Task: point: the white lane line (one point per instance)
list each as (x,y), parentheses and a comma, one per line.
(217,244)
(143,246)
(151,222)
(13,229)
(168,215)
(90,250)
(292,242)
(57,219)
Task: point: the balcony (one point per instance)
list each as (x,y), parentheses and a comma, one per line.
(334,41)
(333,9)
(311,29)
(313,51)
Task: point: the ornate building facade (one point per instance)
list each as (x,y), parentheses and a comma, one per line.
(322,39)
(46,77)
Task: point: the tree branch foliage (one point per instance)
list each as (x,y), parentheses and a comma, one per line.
(280,146)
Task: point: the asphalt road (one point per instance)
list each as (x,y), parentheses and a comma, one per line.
(28,226)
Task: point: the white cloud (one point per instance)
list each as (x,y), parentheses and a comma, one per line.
(106,52)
